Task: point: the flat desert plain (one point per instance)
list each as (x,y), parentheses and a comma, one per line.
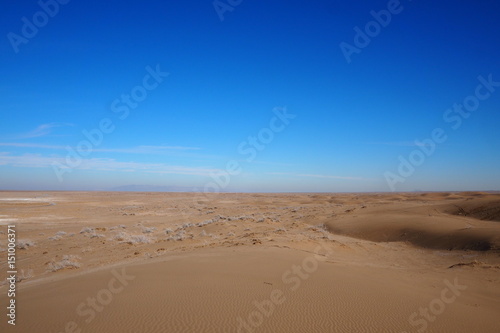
(188,262)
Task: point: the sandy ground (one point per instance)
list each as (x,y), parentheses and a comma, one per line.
(186,262)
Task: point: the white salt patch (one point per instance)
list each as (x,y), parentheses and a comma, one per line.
(5,221)
(23,199)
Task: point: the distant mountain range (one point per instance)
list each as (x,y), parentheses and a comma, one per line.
(153,188)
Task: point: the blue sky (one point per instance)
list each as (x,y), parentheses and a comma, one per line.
(274,71)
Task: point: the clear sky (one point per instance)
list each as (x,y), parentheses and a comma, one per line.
(251,95)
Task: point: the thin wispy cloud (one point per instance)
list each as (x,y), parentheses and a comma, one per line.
(329,176)
(146,149)
(42,130)
(29,145)
(315,175)
(132,150)
(401,143)
(265,162)
(102,164)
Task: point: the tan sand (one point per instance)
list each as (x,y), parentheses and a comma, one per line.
(185,262)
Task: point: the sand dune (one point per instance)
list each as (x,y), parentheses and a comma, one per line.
(462,225)
(182,262)
(486,210)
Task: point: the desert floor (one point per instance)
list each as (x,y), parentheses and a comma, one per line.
(188,262)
